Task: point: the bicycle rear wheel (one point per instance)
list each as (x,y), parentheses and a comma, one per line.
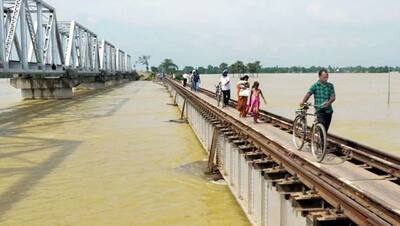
(318,142)
(299,132)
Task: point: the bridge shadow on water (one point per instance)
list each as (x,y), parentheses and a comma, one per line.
(12,119)
(18,145)
(31,174)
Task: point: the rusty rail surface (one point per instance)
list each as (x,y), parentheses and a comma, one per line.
(353,203)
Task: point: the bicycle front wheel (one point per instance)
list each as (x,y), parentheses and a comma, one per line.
(219,99)
(318,142)
(299,132)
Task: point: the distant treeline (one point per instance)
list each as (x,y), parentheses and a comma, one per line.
(255,67)
(294,69)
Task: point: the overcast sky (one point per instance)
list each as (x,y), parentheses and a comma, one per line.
(276,32)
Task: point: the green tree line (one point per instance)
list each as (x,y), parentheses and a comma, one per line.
(239,67)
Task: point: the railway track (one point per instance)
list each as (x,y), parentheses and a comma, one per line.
(372,159)
(342,198)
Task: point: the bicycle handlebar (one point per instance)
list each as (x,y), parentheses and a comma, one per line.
(312,105)
(307,105)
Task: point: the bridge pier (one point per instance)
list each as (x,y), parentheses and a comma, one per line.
(101,84)
(61,88)
(44,88)
(92,85)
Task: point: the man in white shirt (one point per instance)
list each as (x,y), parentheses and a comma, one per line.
(185,79)
(225,86)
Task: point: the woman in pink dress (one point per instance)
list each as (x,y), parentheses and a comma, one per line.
(254,104)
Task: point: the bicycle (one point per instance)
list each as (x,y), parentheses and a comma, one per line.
(317,133)
(218,94)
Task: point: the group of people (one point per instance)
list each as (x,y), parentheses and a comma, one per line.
(249,97)
(194,79)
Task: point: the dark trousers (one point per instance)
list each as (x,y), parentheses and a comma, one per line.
(196,86)
(184,82)
(227,96)
(193,85)
(325,119)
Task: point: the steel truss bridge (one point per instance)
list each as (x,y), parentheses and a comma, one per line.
(34,44)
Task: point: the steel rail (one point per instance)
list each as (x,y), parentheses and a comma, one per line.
(373,157)
(357,206)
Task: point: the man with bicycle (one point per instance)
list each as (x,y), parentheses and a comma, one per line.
(324,96)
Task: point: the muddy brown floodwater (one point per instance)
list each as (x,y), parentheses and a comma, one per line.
(109,157)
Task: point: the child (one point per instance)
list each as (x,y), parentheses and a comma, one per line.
(255,100)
